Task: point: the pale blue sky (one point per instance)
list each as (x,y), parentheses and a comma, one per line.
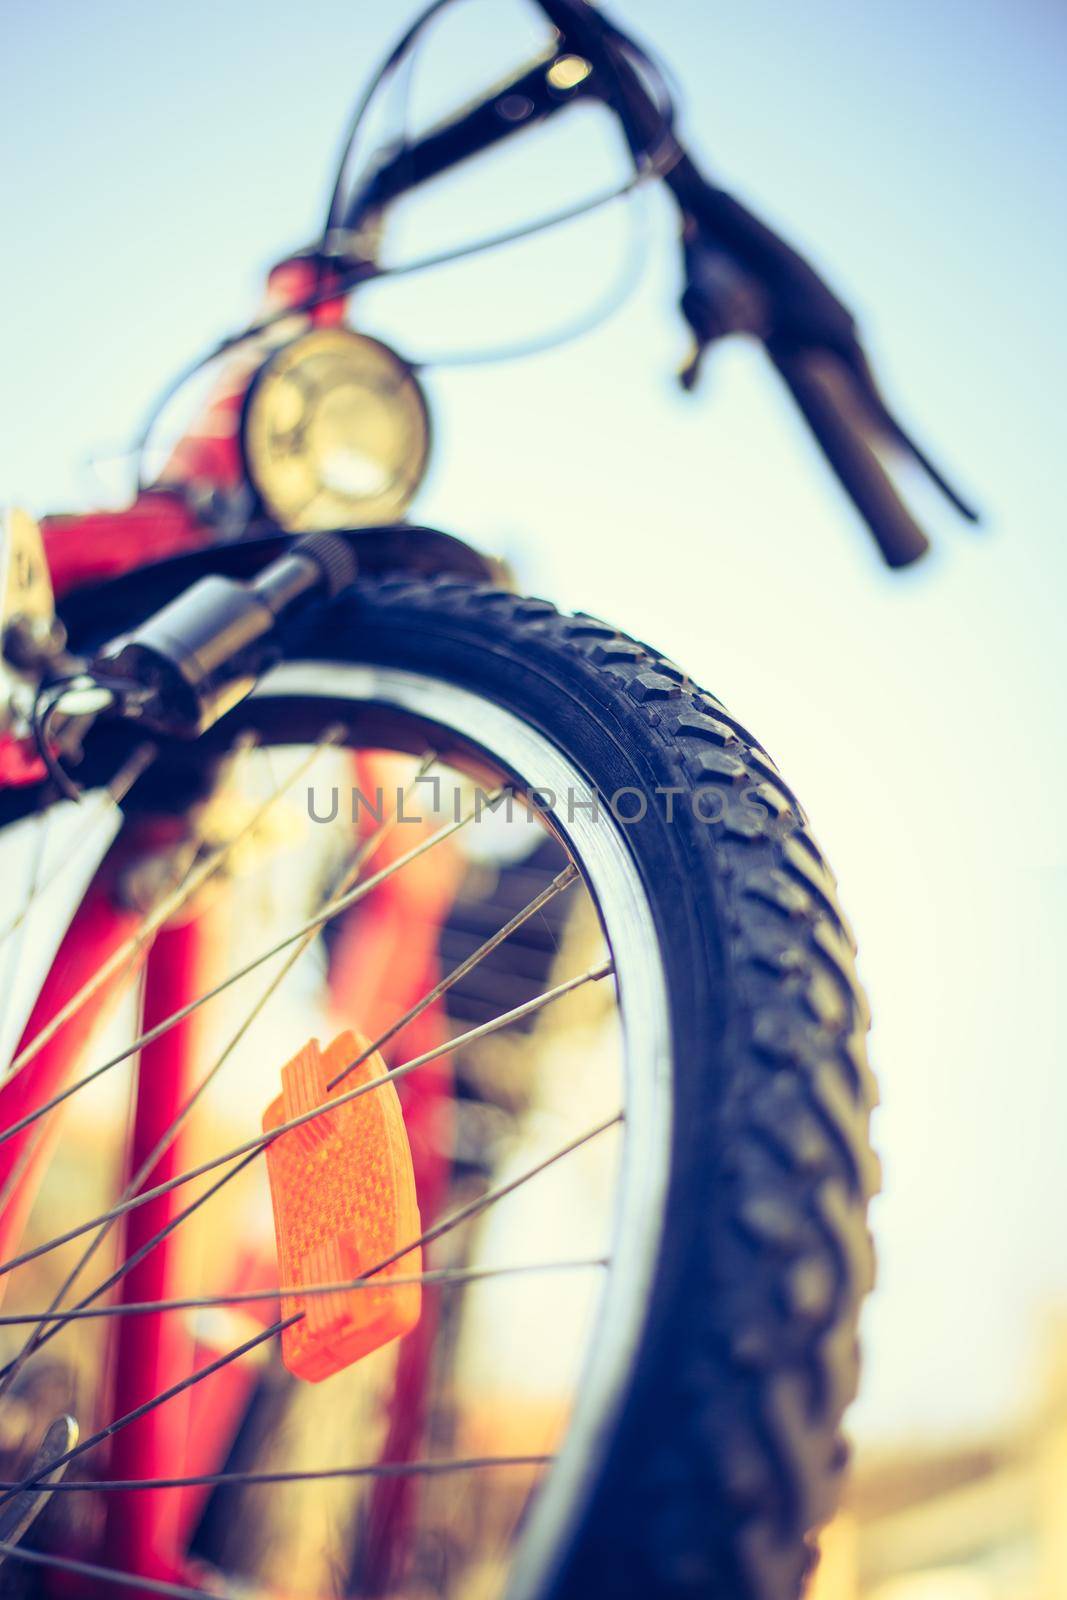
(158,157)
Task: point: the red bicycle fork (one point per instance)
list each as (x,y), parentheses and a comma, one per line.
(154,1351)
(145,1532)
(384,959)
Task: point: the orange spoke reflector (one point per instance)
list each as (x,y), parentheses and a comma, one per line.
(343,1190)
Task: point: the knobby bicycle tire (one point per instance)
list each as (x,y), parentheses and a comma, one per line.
(728,1452)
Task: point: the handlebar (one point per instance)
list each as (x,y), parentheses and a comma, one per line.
(845,438)
(740,276)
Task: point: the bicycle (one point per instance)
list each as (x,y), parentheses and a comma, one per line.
(174,673)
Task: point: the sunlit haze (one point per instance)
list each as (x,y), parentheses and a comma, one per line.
(159,159)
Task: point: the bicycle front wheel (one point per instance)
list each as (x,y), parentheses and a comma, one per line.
(702,1442)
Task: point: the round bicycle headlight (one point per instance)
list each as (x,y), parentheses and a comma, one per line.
(335,432)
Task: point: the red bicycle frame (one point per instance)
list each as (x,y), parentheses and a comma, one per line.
(378,970)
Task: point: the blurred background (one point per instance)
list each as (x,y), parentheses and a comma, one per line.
(158,159)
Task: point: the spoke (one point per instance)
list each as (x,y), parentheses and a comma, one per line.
(475,1206)
(222,1480)
(261,1141)
(482,1202)
(166,908)
(112,795)
(59,1319)
(29,1150)
(447,1276)
(45,1333)
(563,881)
(52,1320)
(160,1399)
(130,1192)
(88,1569)
(301,937)
(19,1169)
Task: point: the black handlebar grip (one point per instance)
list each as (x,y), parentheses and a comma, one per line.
(846,434)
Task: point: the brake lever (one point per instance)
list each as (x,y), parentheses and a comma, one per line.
(719,299)
(742,277)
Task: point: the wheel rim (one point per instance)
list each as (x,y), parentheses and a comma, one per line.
(478,725)
(473,734)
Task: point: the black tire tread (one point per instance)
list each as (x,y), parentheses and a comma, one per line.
(734,1455)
